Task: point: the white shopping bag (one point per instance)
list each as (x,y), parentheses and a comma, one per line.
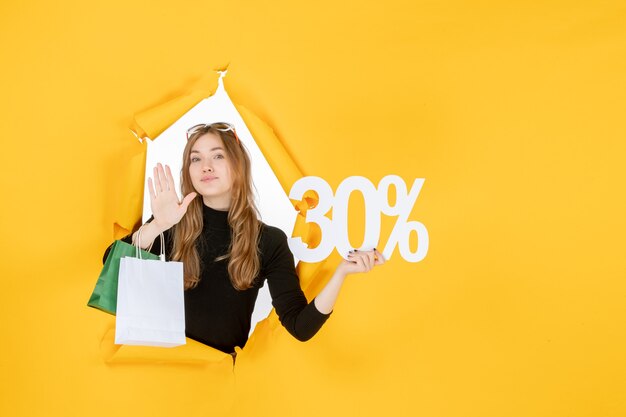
(150,301)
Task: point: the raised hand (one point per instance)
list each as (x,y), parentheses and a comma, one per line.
(166,207)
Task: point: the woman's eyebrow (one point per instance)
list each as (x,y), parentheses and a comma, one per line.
(210,150)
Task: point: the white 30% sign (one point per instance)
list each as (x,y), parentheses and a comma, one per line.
(335,231)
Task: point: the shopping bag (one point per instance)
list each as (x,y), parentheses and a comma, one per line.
(104,295)
(150,301)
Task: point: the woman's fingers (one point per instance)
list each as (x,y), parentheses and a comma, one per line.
(359,262)
(370,259)
(151,189)
(360,259)
(379,258)
(364,261)
(169,178)
(157,183)
(162,178)
(188,198)
(362,256)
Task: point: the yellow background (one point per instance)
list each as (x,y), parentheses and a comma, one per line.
(512,111)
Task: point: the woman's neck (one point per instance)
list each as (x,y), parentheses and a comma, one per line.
(217,204)
(215,219)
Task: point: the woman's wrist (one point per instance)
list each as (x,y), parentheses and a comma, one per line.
(340,272)
(158,227)
(149,232)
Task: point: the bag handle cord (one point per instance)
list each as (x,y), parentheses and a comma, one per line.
(138,249)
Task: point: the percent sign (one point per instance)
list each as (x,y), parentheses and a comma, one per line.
(335,231)
(401,232)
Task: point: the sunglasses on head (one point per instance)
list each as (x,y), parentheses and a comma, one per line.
(221,126)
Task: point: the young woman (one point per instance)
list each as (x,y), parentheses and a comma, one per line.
(227,252)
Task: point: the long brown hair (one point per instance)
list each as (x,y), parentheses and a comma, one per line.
(243,254)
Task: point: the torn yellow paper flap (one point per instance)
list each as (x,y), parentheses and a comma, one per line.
(152,122)
(128,197)
(283,165)
(286,170)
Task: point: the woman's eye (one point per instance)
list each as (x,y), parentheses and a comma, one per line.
(195,159)
(220,156)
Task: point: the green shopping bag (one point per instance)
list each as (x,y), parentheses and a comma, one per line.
(104,296)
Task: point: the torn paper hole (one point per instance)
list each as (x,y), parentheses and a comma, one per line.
(272,201)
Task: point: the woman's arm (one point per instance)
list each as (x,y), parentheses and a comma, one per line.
(301,318)
(358,261)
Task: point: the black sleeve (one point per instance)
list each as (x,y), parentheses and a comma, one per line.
(156,246)
(301,319)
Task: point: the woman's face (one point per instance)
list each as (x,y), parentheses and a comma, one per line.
(209,169)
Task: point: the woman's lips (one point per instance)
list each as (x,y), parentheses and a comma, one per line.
(207,179)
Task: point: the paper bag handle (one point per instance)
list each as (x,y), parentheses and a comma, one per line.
(138,249)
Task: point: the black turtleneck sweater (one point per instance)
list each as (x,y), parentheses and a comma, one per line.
(217,314)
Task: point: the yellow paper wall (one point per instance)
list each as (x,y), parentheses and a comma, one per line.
(512,111)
